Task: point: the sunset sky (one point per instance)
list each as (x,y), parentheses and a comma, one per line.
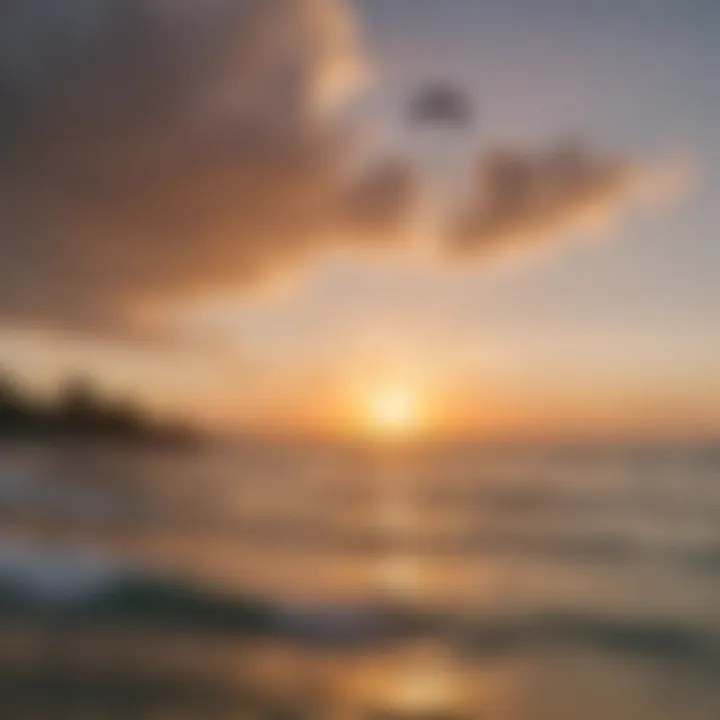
(223,207)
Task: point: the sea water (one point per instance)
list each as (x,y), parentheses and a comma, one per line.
(395,581)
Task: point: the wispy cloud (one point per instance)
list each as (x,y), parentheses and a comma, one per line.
(525,200)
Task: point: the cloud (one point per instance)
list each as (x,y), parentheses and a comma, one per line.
(157,149)
(441,104)
(525,200)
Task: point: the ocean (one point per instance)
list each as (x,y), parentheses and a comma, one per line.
(258,580)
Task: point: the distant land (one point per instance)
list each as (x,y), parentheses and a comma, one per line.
(81,410)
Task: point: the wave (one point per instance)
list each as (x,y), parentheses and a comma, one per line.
(146,601)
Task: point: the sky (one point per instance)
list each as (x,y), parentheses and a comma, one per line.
(223,207)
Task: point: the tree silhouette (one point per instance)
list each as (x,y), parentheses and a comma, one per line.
(80,410)
(16,415)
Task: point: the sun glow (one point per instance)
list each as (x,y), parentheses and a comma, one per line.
(393,411)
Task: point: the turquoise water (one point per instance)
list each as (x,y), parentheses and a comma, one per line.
(513,583)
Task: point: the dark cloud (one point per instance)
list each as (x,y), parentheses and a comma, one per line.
(381,202)
(440,104)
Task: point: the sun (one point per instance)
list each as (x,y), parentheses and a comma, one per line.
(393,411)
